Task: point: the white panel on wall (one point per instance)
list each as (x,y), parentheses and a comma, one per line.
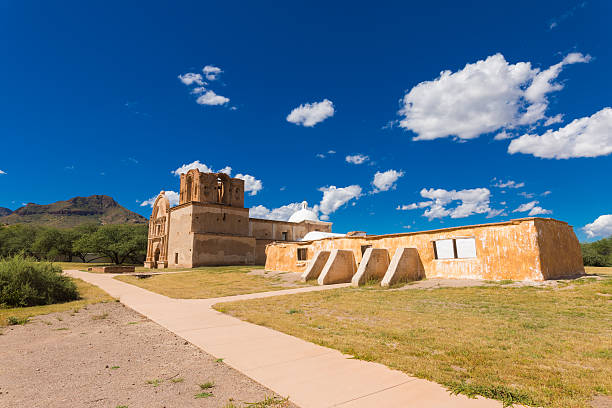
(466,247)
(444,249)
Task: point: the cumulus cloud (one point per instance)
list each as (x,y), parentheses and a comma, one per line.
(279,214)
(309,114)
(211,98)
(252,185)
(470,201)
(507,184)
(2,172)
(190,78)
(533,209)
(554,119)
(483,97)
(357,158)
(172,196)
(386,180)
(585,137)
(211,72)
(205,96)
(334,197)
(601,227)
(414,206)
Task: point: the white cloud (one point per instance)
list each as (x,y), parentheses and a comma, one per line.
(280,214)
(193,165)
(503,135)
(554,119)
(547,192)
(320,155)
(471,201)
(483,97)
(414,206)
(190,78)
(507,184)
(526,195)
(251,184)
(357,158)
(211,98)
(211,72)
(331,152)
(386,180)
(601,227)
(533,209)
(309,114)
(172,196)
(334,198)
(2,172)
(585,137)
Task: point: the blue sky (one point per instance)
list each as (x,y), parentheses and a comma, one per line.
(469,111)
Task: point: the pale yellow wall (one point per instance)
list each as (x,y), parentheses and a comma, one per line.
(220,219)
(220,249)
(507,250)
(180,238)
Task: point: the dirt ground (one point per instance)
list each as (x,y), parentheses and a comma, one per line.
(107,355)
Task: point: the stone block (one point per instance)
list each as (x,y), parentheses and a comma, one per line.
(339,268)
(405,266)
(112,269)
(315,266)
(373,265)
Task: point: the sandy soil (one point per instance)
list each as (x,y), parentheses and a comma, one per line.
(436,283)
(110,356)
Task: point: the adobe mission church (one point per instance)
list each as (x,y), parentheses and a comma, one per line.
(210,226)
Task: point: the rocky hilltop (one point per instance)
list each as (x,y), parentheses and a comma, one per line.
(95,209)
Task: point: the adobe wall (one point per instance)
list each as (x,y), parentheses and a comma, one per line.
(508,250)
(220,249)
(560,253)
(180,238)
(219,219)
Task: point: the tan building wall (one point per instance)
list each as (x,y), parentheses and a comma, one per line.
(524,249)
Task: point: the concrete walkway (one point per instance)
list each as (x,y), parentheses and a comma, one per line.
(311,375)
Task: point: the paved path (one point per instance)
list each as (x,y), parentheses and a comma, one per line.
(311,375)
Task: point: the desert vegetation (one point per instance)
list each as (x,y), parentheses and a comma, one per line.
(598,253)
(119,243)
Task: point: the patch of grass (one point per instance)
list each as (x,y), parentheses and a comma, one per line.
(62,328)
(114,367)
(155,383)
(209,282)
(533,345)
(203,395)
(121,406)
(207,385)
(100,316)
(13,320)
(219,360)
(88,294)
(294,311)
(177,380)
(506,395)
(274,402)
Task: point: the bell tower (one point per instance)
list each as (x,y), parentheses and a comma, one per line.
(211,188)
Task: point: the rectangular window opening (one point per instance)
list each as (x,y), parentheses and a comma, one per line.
(176,257)
(455,248)
(284,233)
(302,254)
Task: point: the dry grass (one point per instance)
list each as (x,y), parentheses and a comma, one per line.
(208,282)
(547,347)
(88,294)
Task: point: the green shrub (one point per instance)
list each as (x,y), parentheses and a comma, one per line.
(25,282)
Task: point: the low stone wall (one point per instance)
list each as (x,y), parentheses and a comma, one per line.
(112,269)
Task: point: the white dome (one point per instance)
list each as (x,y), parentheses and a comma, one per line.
(314,235)
(304,214)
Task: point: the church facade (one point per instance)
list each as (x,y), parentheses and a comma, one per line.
(210,226)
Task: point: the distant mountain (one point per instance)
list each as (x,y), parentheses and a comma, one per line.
(5,211)
(95,209)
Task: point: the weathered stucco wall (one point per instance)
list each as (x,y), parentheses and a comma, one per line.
(560,253)
(221,249)
(180,238)
(508,250)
